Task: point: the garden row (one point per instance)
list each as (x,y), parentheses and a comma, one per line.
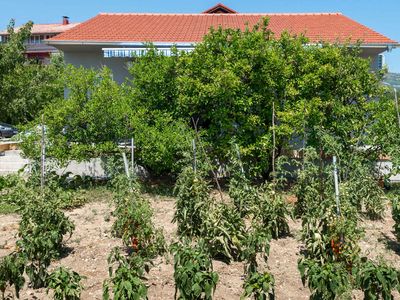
(236,229)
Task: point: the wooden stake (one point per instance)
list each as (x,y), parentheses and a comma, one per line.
(194,155)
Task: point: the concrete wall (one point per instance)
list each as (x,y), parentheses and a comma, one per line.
(92,57)
(373,55)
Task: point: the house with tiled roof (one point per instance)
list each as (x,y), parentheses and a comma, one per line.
(35,46)
(112,39)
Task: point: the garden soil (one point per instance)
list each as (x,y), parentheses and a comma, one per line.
(87,250)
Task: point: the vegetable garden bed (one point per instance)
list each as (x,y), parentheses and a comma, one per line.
(92,242)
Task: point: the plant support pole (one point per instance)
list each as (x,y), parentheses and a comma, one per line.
(126,165)
(133,157)
(396,102)
(273,142)
(239,158)
(42,157)
(335,176)
(194,155)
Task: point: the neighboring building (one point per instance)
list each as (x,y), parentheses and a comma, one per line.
(111,39)
(35,46)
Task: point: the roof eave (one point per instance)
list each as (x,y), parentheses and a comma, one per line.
(116,43)
(140,43)
(380,45)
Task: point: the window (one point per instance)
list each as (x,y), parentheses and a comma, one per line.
(4,39)
(35,39)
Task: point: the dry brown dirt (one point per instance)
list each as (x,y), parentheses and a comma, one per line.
(91,243)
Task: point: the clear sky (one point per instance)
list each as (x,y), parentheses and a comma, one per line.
(382,16)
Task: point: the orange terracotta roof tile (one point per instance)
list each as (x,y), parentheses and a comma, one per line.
(191,28)
(47,28)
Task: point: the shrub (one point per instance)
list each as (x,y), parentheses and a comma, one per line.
(9,181)
(66,284)
(194,276)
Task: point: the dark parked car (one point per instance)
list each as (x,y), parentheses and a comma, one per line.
(7,130)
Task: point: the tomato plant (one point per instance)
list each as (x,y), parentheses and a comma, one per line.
(363,192)
(244,195)
(224,232)
(273,212)
(308,185)
(134,225)
(193,202)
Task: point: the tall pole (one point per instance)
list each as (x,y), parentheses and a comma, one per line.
(273,142)
(133,157)
(304,137)
(194,155)
(42,157)
(335,176)
(239,158)
(397,106)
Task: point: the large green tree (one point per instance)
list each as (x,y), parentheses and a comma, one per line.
(230,83)
(267,93)
(98,114)
(26,85)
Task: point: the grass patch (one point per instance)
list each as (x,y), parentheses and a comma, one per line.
(6,208)
(81,197)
